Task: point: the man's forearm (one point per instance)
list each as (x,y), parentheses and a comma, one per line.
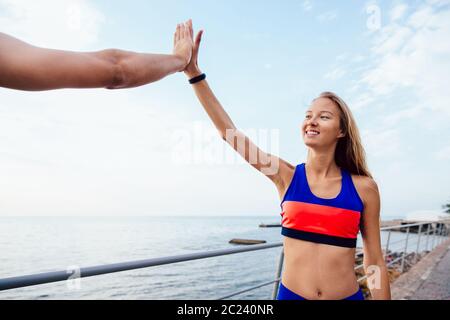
(136,69)
(27,67)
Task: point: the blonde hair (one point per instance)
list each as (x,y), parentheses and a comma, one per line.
(349,154)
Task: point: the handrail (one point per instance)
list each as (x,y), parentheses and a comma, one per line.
(55,276)
(413,224)
(49,277)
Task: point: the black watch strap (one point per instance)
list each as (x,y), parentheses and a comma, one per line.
(197,78)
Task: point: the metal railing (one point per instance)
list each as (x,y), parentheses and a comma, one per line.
(436,229)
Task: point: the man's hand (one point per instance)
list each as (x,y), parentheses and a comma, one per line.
(183,43)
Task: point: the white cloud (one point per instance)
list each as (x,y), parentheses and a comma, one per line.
(412,57)
(62,24)
(307,5)
(392,38)
(361,100)
(443,154)
(327,16)
(398,11)
(99,152)
(336,74)
(343,56)
(382,143)
(394,118)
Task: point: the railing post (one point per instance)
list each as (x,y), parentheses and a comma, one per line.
(443,232)
(404,252)
(438,239)
(387,245)
(278,275)
(434,238)
(418,242)
(428,235)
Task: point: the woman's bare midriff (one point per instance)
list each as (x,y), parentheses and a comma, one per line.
(319,271)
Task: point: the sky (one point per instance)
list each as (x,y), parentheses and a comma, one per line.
(152,150)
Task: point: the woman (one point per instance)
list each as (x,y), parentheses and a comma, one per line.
(26,67)
(325,201)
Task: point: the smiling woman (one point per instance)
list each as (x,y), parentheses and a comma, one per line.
(335,121)
(320,227)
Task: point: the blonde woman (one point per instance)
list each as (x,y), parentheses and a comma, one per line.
(325,201)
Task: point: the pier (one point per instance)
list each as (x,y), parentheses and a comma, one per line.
(246,241)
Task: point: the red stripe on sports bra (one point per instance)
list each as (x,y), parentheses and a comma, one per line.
(320,219)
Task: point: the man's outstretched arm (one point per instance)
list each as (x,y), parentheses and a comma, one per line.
(26,67)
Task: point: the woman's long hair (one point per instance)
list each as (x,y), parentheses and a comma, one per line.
(349,154)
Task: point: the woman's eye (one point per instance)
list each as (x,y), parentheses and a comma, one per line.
(320,117)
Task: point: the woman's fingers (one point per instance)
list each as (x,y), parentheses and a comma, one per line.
(198,39)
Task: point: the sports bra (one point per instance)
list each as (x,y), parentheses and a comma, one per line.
(328,221)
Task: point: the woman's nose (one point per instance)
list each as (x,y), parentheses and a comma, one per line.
(311,121)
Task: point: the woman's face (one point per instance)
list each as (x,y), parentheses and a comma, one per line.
(321,124)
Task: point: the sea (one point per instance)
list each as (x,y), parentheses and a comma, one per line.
(30,245)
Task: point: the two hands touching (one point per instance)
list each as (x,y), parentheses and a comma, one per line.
(187,49)
(27,67)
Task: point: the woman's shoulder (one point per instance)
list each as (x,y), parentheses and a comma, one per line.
(365,186)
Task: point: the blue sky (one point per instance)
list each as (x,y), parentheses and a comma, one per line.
(98,152)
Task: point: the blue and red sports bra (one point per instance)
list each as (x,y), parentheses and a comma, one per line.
(329,221)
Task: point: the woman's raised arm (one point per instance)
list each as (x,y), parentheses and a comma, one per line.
(276,169)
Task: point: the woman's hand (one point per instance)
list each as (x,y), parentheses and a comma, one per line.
(192,70)
(183,43)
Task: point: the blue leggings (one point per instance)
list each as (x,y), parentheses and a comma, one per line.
(286,294)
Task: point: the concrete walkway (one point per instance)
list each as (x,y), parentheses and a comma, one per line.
(429,279)
(437,283)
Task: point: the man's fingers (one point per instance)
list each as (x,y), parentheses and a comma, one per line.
(183,31)
(186,30)
(178,32)
(191,29)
